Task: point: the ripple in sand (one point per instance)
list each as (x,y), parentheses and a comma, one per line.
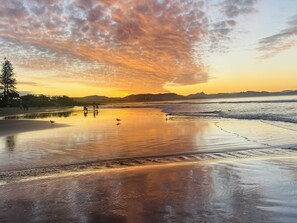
(15,175)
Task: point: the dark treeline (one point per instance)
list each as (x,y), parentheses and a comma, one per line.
(47,101)
(41,101)
(9,96)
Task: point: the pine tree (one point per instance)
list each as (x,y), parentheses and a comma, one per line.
(8,82)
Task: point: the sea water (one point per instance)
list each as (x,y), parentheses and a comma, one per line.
(279,109)
(194,127)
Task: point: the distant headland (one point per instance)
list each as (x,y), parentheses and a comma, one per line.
(173,96)
(39,100)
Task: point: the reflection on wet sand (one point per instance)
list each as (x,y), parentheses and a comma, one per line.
(78,168)
(109,178)
(217,192)
(41,115)
(142,133)
(10,143)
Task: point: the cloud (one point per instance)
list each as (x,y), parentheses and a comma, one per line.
(234,8)
(133,45)
(31,83)
(285,39)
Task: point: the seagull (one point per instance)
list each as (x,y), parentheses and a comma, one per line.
(52,122)
(168,114)
(118,120)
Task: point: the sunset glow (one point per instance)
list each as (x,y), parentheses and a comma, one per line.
(116,48)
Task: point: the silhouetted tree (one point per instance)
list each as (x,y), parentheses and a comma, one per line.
(8,82)
(42,100)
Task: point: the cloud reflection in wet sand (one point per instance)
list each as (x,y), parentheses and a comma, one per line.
(250,191)
(143,132)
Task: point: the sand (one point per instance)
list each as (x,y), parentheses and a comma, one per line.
(17,111)
(246,191)
(183,170)
(10,126)
(13,127)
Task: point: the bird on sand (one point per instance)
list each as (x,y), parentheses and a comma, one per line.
(118,120)
(168,114)
(52,122)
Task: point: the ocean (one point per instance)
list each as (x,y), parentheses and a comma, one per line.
(275,109)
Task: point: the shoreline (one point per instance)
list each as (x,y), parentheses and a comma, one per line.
(191,193)
(187,170)
(17,111)
(13,127)
(93,167)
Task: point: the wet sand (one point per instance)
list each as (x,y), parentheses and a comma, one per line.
(79,168)
(147,169)
(17,111)
(13,127)
(246,191)
(10,125)
(142,133)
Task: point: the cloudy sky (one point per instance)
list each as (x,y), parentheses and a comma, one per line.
(119,47)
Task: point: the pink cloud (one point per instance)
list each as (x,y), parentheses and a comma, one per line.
(136,45)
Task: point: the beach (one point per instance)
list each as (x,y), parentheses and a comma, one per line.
(13,127)
(145,111)
(237,191)
(14,111)
(147,166)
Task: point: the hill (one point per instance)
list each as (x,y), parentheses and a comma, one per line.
(173,96)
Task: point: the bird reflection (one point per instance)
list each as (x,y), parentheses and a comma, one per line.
(86,110)
(85,113)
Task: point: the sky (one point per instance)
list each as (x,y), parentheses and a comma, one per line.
(121,47)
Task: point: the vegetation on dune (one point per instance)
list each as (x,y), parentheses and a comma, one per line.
(9,97)
(8,83)
(47,101)
(31,100)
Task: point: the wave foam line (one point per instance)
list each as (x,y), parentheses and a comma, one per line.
(17,175)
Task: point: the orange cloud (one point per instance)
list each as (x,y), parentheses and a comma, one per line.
(133,45)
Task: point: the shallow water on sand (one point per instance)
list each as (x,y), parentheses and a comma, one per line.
(200,169)
(246,191)
(142,132)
